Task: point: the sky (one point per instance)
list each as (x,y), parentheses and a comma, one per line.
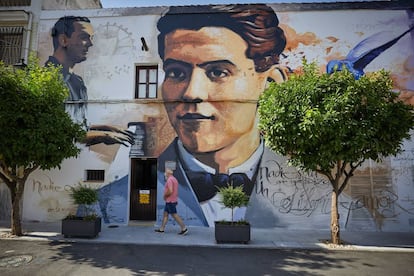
(152,3)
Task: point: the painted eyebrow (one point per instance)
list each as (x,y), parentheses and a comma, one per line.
(201,65)
(170,61)
(214,62)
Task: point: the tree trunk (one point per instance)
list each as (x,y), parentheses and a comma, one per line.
(335,237)
(16,224)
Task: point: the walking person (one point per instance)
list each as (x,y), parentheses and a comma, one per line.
(170,198)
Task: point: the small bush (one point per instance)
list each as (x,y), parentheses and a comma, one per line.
(83,194)
(233,197)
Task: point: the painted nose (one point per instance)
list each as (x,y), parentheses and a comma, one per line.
(197,89)
(87,43)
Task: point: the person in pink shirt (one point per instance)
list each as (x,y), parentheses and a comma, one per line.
(171,197)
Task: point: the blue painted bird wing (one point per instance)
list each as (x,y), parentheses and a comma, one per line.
(370,48)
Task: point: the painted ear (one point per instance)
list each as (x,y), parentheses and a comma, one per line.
(63,40)
(278,73)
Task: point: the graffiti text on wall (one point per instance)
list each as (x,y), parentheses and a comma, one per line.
(50,203)
(40,187)
(303,194)
(293,192)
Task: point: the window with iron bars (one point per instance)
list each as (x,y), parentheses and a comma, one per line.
(95,175)
(11,41)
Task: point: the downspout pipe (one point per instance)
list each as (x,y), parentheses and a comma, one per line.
(28,36)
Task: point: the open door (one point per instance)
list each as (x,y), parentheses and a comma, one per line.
(143,194)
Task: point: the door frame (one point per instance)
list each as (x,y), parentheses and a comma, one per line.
(143,195)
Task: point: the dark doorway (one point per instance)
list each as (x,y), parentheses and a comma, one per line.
(143,189)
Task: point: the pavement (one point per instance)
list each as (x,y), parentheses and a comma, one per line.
(143,233)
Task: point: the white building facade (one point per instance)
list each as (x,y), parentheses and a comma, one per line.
(124,73)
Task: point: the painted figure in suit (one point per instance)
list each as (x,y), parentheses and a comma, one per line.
(215,68)
(72,37)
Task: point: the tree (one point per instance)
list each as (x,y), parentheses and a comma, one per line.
(332,123)
(232,197)
(36,132)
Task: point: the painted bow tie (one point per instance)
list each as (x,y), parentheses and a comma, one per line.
(205,184)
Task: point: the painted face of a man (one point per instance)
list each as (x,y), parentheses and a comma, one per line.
(210,88)
(78,43)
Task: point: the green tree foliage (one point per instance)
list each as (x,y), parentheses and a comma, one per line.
(332,123)
(36,132)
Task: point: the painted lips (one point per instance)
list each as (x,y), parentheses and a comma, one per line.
(195,116)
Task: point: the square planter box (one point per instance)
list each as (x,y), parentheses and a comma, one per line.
(78,227)
(231,233)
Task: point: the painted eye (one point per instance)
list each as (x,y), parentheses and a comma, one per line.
(175,74)
(217,73)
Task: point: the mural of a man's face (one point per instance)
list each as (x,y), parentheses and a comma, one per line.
(210,88)
(78,43)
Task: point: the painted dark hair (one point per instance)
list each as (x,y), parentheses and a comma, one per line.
(65,26)
(256,24)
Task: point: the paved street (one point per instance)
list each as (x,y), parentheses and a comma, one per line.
(32,258)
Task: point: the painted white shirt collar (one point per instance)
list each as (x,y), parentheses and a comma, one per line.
(248,167)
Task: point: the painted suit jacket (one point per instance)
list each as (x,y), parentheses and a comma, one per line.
(78,95)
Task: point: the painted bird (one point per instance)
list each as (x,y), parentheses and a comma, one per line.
(363,53)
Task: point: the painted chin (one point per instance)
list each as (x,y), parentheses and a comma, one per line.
(196,143)
(198,137)
(81,58)
(187,129)
(84,53)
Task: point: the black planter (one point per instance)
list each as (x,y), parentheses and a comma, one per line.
(225,232)
(79,227)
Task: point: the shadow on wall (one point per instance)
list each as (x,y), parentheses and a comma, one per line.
(5,202)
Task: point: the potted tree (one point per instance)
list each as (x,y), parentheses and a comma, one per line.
(232,231)
(86,223)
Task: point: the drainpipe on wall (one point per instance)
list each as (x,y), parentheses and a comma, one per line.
(28,36)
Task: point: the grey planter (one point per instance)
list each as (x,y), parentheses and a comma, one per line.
(78,227)
(225,232)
